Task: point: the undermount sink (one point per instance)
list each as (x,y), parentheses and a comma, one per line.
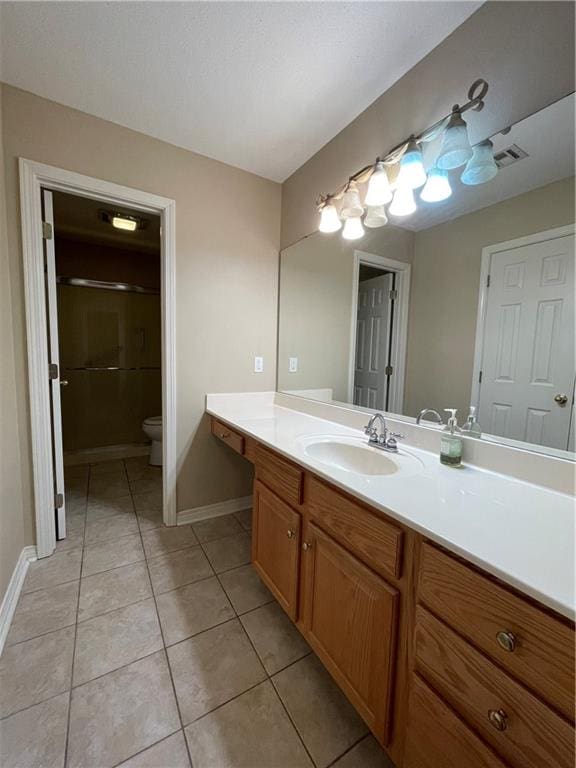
(356,456)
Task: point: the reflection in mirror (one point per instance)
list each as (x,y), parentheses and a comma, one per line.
(466,302)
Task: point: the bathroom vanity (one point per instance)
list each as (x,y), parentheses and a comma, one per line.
(434,597)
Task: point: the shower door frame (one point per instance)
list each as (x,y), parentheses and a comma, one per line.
(33,178)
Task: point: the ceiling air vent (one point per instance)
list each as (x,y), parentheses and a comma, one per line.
(510,155)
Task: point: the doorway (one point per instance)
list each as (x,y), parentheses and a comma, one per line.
(36,182)
(380,296)
(524,380)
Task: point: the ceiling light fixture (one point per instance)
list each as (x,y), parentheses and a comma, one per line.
(127,223)
(406,161)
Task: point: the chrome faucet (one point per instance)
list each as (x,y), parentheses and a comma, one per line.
(426,411)
(385,440)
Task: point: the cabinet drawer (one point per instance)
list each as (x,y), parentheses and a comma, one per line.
(280,475)
(234,439)
(438,738)
(374,540)
(531,644)
(515,723)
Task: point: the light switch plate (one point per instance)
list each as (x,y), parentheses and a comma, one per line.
(258,364)
(292,364)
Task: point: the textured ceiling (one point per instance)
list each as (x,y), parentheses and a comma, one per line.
(259,85)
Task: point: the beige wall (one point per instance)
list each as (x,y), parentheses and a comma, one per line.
(226,272)
(525,50)
(12,537)
(445,286)
(315,311)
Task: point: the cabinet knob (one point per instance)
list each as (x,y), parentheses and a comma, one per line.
(306,546)
(498,718)
(506,640)
(224,435)
(290,533)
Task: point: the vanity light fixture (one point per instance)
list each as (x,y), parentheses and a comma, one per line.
(379,191)
(412,174)
(127,223)
(403,203)
(406,160)
(437,187)
(375,216)
(353,229)
(481,167)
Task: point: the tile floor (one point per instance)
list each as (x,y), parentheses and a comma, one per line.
(152,647)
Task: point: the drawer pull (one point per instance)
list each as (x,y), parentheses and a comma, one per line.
(306,546)
(290,533)
(224,435)
(506,640)
(498,718)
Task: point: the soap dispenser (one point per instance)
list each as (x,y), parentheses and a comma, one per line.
(472,428)
(451,442)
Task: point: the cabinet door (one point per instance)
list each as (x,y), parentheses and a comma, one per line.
(276,546)
(350,620)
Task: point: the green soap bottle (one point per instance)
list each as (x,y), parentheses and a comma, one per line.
(451,442)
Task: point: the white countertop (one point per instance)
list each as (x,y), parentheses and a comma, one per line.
(523,534)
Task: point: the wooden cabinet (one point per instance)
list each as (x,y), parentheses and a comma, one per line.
(276,546)
(350,620)
(229,436)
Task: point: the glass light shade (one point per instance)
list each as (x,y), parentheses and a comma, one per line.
(437,187)
(403,203)
(481,167)
(379,192)
(375,217)
(351,205)
(329,219)
(412,174)
(353,229)
(455,149)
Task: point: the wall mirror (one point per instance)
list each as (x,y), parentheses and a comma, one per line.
(469,301)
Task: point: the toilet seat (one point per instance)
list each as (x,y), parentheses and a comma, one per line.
(153,421)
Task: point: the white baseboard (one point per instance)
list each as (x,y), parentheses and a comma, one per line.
(187,516)
(13,590)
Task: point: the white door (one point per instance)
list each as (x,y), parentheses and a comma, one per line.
(528,352)
(373,342)
(54,361)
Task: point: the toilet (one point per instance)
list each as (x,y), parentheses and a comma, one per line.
(152,426)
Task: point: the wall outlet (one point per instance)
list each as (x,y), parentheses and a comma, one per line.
(292,364)
(258,364)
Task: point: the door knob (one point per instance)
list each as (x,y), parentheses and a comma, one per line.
(561,399)
(63,383)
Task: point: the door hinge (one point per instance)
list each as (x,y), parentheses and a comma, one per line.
(52,371)
(488,282)
(58,500)
(480,377)
(46,230)
(389,370)
(393,294)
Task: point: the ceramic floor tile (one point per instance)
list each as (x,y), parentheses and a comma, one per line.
(211,668)
(76,472)
(149,510)
(192,609)
(151,483)
(228,553)
(115,467)
(113,589)
(178,568)
(36,737)
(323,716)
(112,554)
(75,524)
(244,517)
(136,465)
(276,639)
(108,486)
(169,753)
(161,541)
(367,754)
(114,639)
(112,527)
(77,486)
(116,716)
(216,528)
(109,507)
(252,731)
(44,611)
(51,571)
(245,589)
(35,670)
